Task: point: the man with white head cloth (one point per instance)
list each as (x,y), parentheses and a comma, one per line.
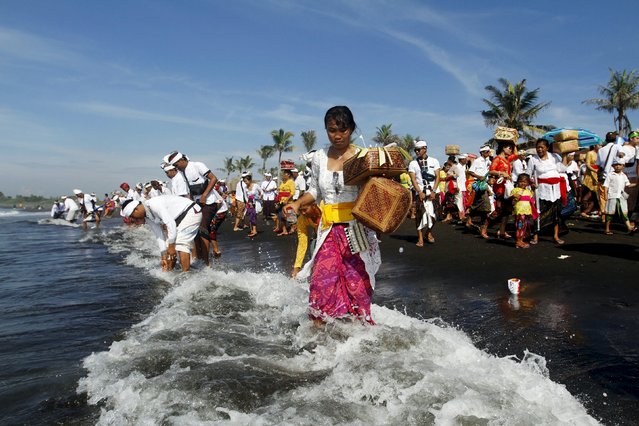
(201,182)
(87,208)
(269,190)
(460,195)
(424,175)
(177,182)
(182,218)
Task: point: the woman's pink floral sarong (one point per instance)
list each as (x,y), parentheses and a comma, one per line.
(339,283)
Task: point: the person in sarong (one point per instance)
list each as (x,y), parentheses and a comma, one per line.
(589,199)
(548,171)
(525,210)
(424,174)
(501,166)
(346,257)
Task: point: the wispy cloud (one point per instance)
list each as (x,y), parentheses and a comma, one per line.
(117,111)
(30,47)
(441,58)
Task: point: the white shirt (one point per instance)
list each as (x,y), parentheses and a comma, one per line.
(87,203)
(551,167)
(178,185)
(461,177)
(300,186)
(240,191)
(327,185)
(222,207)
(135,195)
(519,167)
(480,166)
(195,173)
(269,187)
(163,210)
(430,165)
(57,208)
(631,157)
(604,160)
(70,204)
(616,183)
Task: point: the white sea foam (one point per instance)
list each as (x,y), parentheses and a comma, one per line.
(58,222)
(236,347)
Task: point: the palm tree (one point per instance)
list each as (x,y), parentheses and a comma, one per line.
(407,142)
(247,163)
(516,107)
(384,135)
(309,139)
(229,167)
(282,142)
(620,95)
(265,152)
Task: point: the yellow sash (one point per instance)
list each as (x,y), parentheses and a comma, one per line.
(336,213)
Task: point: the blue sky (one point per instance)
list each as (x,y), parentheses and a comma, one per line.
(93,93)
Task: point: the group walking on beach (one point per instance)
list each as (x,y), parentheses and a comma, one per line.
(520,191)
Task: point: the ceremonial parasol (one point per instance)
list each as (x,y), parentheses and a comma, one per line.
(586,137)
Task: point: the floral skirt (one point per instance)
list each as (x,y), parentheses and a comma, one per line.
(340,285)
(523,226)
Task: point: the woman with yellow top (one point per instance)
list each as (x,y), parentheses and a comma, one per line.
(346,257)
(284,192)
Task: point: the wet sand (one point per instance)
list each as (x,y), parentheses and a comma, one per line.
(578,306)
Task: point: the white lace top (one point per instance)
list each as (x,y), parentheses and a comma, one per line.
(327,185)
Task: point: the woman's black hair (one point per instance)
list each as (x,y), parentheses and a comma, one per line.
(503,144)
(544,141)
(342,116)
(523,175)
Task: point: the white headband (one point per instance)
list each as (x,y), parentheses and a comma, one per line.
(175,159)
(127,211)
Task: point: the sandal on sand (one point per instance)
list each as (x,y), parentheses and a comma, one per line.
(217,254)
(522,245)
(420,244)
(533,242)
(251,235)
(559,241)
(608,233)
(632,231)
(485,236)
(431,240)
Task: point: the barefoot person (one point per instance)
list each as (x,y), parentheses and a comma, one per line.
(341,278)
(182,218)
(424,174)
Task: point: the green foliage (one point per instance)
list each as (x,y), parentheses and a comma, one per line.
(309,139)
(282,142)
(514,106)
(385,135)
(619,95)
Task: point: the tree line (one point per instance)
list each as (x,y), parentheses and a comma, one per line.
(509,105)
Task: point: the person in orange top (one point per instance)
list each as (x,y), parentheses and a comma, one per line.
(501,167)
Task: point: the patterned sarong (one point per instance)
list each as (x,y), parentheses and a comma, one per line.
(340,285)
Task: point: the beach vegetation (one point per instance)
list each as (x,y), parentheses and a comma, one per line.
(620,95)
(265,152)
(385,135)
(513,105)
(282,142)
(229,167)
(309,139)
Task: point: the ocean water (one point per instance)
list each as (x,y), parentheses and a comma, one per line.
(93,333)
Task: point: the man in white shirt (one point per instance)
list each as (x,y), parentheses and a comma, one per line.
(71,208)
(269,190)
(519,165)
(481,164)
(605,157)
(460,196)
(177,182)
(180,216)
(87,208)
(424,174)
(240,201)
(57,210)
(201,182)
(300,184)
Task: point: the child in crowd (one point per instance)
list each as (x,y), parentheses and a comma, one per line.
(451,189)
(525,211)
(483,202)
(617,204)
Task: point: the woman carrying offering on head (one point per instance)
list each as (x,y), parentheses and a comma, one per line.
(342,269)
(501,167)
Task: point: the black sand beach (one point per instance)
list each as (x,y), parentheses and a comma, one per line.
(578,307)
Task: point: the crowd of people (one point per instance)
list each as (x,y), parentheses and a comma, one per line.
(502,188)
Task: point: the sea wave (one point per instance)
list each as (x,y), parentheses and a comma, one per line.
(234,346)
